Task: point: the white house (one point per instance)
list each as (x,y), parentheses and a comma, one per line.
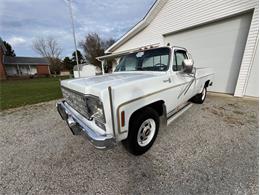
(222,34)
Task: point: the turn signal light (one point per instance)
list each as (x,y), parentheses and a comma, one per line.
(123,118)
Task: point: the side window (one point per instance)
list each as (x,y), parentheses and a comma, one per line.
(130,61)
(179,56)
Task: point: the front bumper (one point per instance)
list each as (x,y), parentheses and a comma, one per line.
(79,126)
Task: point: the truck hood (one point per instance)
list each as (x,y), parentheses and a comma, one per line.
(94,84)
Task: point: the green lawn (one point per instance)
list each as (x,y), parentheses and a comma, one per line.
(15,93)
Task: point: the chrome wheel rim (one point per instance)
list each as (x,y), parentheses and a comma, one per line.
(146,132)
(203,94)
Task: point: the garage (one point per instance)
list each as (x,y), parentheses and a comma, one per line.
(219,45)
(222,35)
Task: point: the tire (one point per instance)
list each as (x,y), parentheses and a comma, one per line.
(143,129)
(200,98)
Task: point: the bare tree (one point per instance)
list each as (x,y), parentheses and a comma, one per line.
(50,49)
(47,47)
(94,46)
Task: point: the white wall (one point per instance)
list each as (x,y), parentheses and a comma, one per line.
(218,45)
(33,70)
(24,69)
(180,14)
(64,73)
(11,70)
(253,82)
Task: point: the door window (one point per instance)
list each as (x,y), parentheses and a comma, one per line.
(179,56)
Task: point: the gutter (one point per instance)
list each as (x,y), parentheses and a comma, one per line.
(118,54)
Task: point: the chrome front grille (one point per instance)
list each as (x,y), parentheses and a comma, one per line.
(75,100)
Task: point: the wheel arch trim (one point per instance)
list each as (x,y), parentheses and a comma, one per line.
(134,110)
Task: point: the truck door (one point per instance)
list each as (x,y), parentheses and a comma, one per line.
(182,83)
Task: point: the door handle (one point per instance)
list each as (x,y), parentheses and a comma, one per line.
(168,80)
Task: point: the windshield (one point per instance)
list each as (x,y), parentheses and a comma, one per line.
(149,60)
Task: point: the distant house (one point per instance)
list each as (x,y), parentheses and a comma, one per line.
(2,69)
(25,66)
(21,66)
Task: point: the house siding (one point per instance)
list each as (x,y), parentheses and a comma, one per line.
(177,15)
(252,88)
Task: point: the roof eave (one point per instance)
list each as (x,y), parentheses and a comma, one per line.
(150,15)
(140,26)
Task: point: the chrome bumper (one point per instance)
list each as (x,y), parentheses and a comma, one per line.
(78,127)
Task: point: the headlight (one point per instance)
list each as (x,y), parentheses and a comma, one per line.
(95,108)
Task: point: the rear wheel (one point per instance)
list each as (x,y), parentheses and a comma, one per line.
(200,98)
(143,129)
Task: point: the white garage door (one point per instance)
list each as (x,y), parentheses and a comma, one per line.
(219,45)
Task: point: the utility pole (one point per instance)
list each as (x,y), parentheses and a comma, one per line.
(74,37)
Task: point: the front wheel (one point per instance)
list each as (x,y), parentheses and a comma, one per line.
(200,98)
(143,129)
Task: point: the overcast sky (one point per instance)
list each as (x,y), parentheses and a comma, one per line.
(22,21)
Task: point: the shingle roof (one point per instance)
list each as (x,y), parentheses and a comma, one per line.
(25,60)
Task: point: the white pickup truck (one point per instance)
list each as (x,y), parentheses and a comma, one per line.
(147,87)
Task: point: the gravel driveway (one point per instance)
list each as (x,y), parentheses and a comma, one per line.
(211,149)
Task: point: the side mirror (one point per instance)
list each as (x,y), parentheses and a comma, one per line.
(188,65)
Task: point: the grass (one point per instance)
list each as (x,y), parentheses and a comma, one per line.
(16,93)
